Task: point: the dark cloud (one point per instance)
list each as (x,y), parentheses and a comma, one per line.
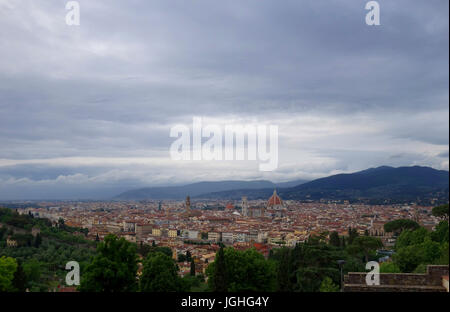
(346,96)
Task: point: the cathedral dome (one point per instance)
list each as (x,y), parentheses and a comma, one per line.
(274,200)
(229,206)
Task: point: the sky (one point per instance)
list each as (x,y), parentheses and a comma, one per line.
(86,111)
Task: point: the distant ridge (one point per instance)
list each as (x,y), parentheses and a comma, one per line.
(403,184)
(197,189)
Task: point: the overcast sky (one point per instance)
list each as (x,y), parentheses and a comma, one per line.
(86,111)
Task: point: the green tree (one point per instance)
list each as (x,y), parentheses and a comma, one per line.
(160,274)
(113,269)
(409,257)
(334,239)
(441,232)
(327,285)
(8,267)
(192,267)
(246,270)
(411,237)
(389,267)
(365,245)
(19,281)
(37,240)
(188,256)
(441,212)
(165,250)
(219,277)
(61,223)
(32,269)
(352,234)
(285,274)
(443,259)
(398,226)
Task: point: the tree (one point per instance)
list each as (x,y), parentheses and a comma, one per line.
(245,270)
(32,269)
(160,274)
(165,250)
(411,237)
(334,239)
(97,238)
(366,245)
(343,242)
(352,234)
(192,267)
(113,269)
(283,259)
(61,223)
(8,266)
(218,279)
(409,257)
(389,267)
(181,257)
(398,226)
(19,281)
(327,285)
(441,212)
(188,256)
(421,247)
(441,232)
(38,240)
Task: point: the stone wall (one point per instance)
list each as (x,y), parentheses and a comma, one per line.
(430,281)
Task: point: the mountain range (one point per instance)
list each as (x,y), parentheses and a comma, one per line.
(379,184)
(200,188)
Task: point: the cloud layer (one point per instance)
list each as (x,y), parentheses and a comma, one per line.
(86,111)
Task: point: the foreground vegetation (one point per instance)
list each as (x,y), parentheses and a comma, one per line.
(116,265)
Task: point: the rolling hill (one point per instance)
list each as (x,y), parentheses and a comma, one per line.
(197,189)
(376,185)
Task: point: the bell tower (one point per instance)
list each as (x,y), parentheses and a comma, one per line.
(188,204)
(244,206)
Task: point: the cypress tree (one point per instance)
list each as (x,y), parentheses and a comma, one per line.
(192,267)
(284,271)
(37,240)
(188,256)
(220,273)
(19,281)
(334,239)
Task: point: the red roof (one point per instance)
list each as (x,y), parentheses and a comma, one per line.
(274,200)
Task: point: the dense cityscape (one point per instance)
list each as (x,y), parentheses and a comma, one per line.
(194,233)
(244,224)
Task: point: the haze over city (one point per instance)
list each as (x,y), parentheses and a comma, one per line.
(86,111)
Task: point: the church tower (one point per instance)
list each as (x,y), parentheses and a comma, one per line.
(188,204)
(244,206)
